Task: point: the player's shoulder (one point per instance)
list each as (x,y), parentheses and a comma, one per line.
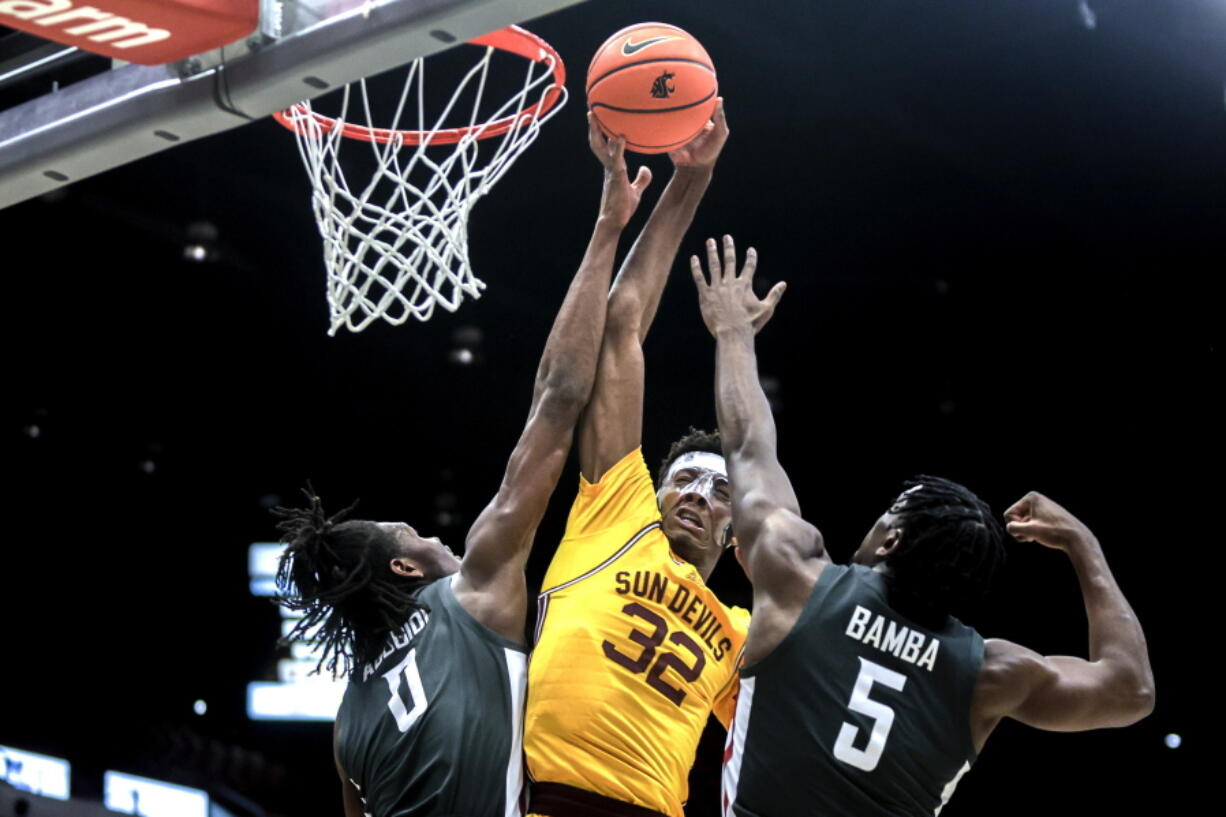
(632,467)
(1007,673)
(439,590)
(622,494)
(1000,655)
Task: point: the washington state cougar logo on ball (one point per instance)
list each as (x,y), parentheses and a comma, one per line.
(661,88)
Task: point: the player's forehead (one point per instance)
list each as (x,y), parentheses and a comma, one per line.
(402,532)
(698,464)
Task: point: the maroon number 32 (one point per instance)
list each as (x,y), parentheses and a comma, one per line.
(665,660)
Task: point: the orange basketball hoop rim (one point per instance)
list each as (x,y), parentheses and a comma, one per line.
(512,39)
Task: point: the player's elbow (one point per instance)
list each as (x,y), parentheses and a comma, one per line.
(748,442)
(1131,697)
(624,317)
(1140,700)
(564,392)
(1134,683)
(1128,707)
(764,519)
(1145,702)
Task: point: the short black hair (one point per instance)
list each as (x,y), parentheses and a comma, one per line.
(336,573)
(952,548)
(694,440)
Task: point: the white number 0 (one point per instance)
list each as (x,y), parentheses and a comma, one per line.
(405,718)
(868,757)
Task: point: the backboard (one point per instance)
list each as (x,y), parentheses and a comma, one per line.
(302,49)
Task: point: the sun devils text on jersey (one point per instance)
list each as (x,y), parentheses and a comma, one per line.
(633,653)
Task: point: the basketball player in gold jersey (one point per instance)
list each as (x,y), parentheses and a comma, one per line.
(633,651)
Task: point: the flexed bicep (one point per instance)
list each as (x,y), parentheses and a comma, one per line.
(1058,693)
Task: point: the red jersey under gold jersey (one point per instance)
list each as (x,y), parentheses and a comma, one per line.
(633,652)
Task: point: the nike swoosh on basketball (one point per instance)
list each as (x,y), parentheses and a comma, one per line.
(629,48)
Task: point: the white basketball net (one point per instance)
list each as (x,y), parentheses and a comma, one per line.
(395,248)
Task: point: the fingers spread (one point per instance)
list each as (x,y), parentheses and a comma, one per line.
(618,152)
(772,297)
(696,271)
(713,260)
(751,264)
(642,179)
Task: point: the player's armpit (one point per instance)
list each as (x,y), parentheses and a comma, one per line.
(1057,693)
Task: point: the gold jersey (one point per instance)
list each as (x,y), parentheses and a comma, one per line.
(633,652)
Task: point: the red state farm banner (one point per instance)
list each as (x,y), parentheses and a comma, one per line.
(149,32)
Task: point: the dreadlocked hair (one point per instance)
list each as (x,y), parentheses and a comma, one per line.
(336,573)
(694,440)
(951,550)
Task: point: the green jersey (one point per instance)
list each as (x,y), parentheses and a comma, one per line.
(859,712)
(435,725)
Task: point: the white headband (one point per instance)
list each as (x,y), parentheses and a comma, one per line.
(706,460)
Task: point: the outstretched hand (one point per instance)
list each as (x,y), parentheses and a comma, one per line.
(704,149)
(727,301)
(620,197)
(1035,518)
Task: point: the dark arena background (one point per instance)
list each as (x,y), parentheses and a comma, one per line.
(1002,225)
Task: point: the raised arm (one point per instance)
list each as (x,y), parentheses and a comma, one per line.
(612,426)
(1115,687)
(782,553)
(491,584)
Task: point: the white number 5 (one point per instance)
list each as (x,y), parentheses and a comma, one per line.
(868,757)
(405,718)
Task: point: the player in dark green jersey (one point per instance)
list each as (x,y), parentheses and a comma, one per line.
(860,694)
(432,644)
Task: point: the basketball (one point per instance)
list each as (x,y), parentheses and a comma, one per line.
(654,84)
